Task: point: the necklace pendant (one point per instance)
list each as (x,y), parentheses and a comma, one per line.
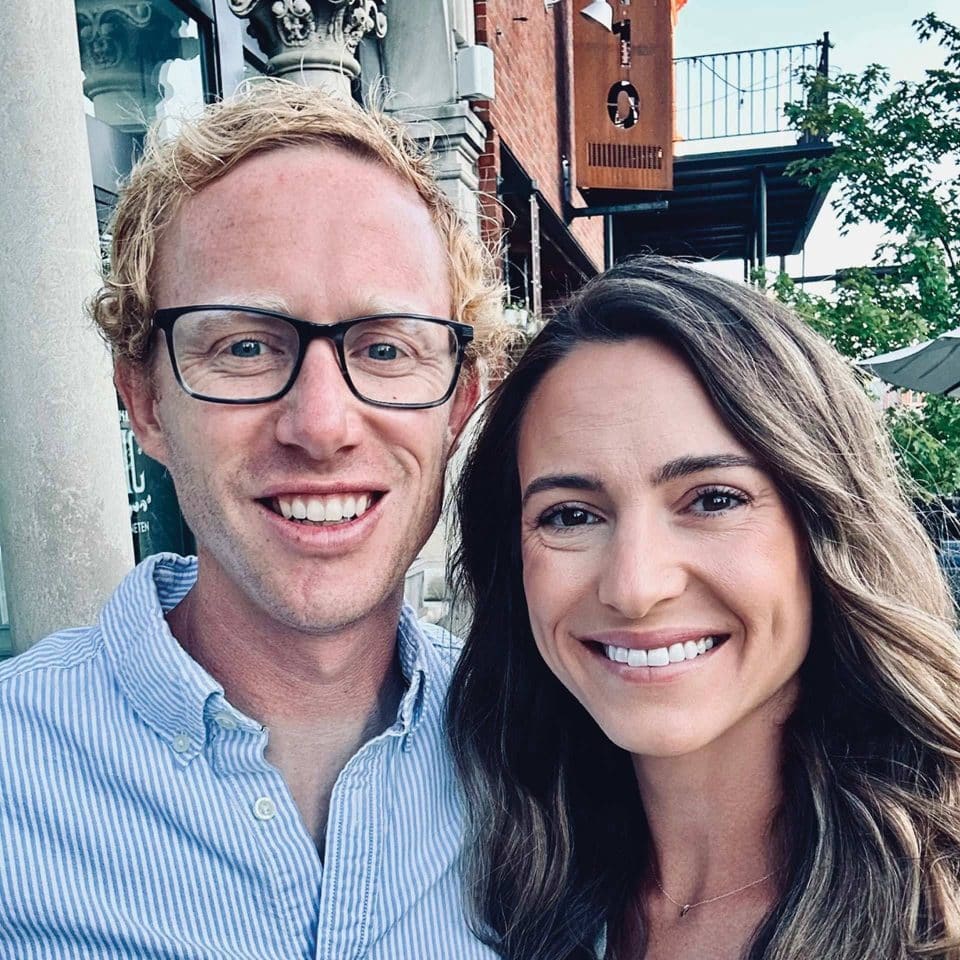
(685,909)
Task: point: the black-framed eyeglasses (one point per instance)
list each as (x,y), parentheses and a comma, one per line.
(225,353)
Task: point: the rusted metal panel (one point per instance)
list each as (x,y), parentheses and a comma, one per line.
(623,98)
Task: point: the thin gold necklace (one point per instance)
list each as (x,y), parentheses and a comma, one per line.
(685,908)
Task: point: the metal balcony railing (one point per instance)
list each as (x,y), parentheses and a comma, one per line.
(741,92)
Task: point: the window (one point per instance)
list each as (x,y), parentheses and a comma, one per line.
(141,62)
(253,66)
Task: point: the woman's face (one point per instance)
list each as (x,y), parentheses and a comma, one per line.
(651,535)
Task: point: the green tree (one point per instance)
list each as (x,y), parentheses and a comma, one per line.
(896,163)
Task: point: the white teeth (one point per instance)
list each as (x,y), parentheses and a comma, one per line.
(637,658)
(660,656)
(332,509)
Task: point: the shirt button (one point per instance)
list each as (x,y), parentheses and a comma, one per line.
(181,743)
(225,721)
(264,809)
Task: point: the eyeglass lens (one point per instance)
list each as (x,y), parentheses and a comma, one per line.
(233,355)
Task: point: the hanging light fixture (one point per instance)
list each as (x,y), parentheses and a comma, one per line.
(601,12)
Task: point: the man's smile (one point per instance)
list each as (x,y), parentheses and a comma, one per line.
(326,509)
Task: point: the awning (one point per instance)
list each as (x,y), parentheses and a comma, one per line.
(715,209)
(931,367)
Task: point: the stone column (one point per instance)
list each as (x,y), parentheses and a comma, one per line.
(313,42)
(456,137)
(419,65)
(64,519)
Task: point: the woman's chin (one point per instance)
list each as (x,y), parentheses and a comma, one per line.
(681,741)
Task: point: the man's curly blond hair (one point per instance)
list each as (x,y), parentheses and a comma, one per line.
(268,115)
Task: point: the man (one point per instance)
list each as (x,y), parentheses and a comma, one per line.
(244,757)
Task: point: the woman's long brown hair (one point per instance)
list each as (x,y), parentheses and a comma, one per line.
(871,817)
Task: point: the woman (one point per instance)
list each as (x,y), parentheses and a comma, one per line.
(709,706)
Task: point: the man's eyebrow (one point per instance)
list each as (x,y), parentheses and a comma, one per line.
(265,301)
(373,305)
(682,466)
(567,481)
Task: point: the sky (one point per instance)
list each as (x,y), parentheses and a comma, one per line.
(862,32)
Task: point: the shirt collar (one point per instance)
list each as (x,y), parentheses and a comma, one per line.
(174,695)
(167,688)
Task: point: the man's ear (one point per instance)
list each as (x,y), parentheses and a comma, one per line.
(134,383)
(464,403)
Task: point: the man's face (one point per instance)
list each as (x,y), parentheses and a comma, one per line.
(325,236)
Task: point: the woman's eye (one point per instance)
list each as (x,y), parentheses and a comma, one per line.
(717,501)
(562,517)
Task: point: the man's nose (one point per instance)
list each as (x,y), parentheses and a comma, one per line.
(647,566)
(319,413)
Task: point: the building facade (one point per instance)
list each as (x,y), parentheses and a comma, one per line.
(485,83)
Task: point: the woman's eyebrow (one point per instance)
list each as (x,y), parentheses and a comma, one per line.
(682,466)
(673,469)
(567,481)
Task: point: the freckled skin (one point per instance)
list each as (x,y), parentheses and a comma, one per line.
(657,557)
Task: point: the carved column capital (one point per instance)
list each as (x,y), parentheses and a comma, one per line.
(123,43)
(107,30)
(316,40)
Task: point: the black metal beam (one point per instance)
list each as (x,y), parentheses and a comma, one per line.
(885,271)
(652,206)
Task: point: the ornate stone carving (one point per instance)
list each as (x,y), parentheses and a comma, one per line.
(360,18)
(105,30)
(314,39)
(295,21)
(123,44)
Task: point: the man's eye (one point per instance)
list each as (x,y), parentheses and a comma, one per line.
(246,348)
(383,351)
(562,517)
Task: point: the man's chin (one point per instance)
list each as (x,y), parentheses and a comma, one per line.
(330,610)
(308,595)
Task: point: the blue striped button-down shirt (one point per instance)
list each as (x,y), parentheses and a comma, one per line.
(139,818)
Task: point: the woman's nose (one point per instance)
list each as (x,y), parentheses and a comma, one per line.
(645,567)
